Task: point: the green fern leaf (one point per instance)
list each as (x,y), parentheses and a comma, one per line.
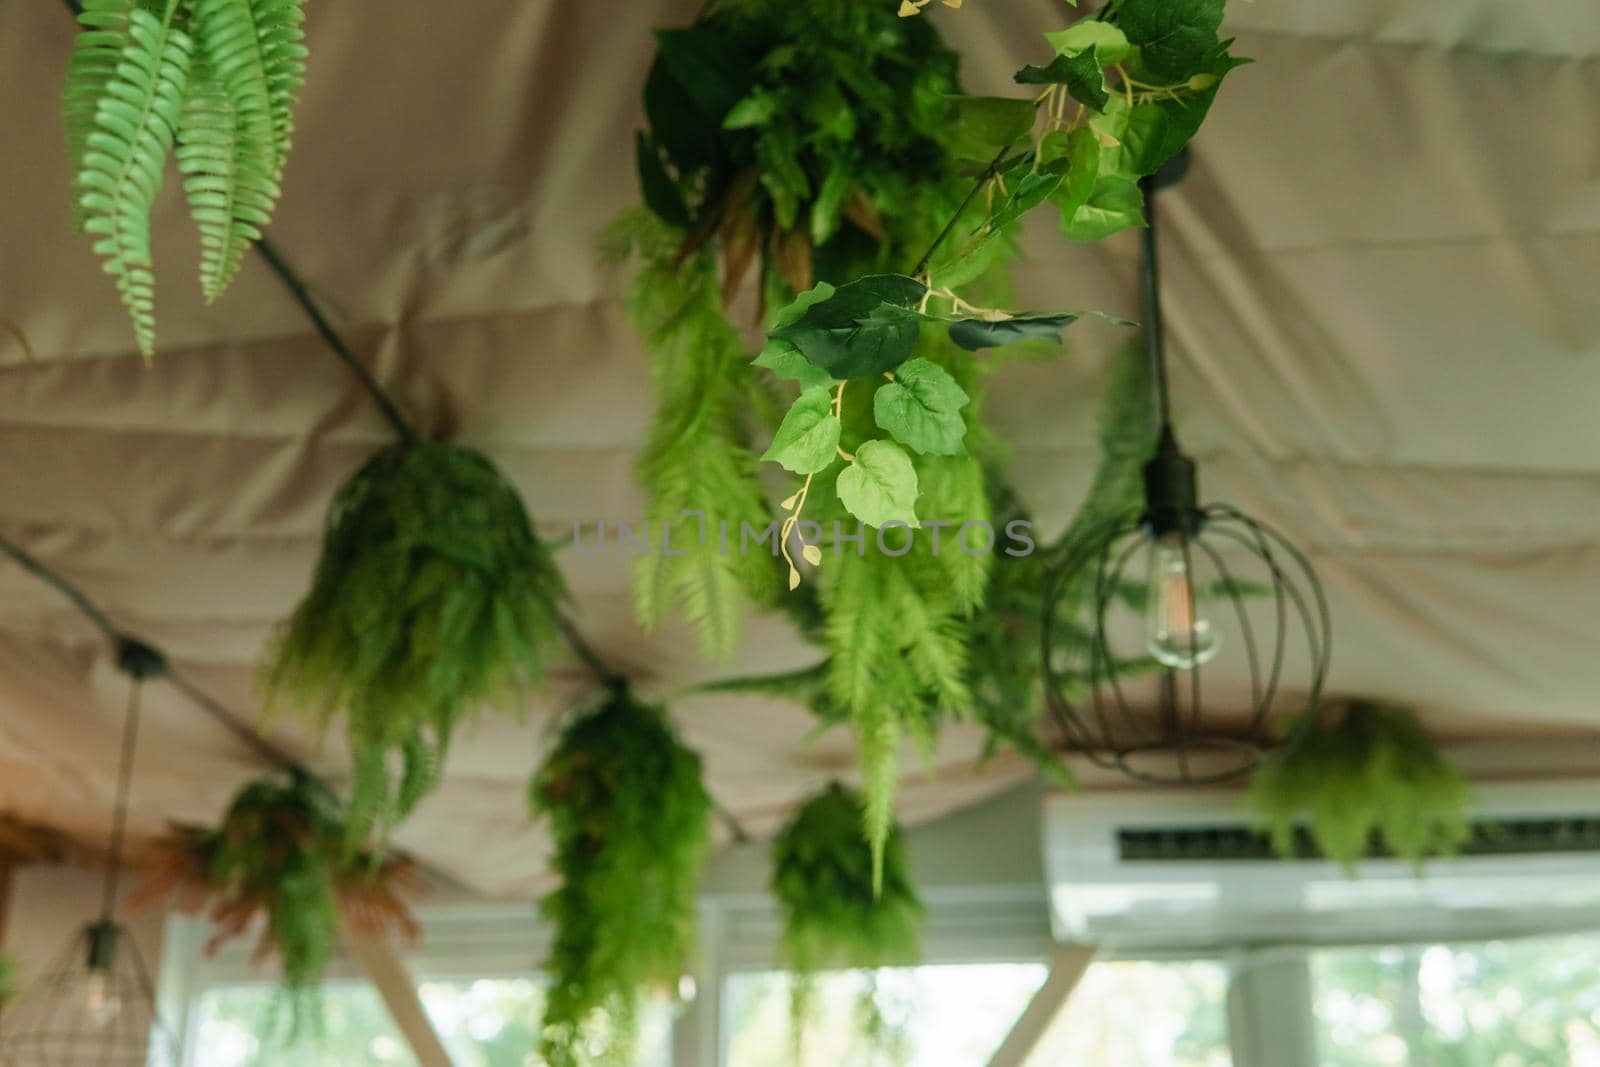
(235,136)
(125,153)
(96,51)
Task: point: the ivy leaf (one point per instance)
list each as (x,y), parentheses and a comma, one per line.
(1174,36)
(971,262)
(1081,151)
(797,307)
(976,334)
(1104,40)
(862,329)
(787,364)
(1157,130)
(921,408)
(880,486)
(1116,205)
(808,438)
(1080,73)
(981,125)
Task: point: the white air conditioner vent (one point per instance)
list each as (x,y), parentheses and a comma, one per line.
(1186,870)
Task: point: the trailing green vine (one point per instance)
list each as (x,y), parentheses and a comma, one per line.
(828,144)
(834,915)
(630,819)
(219,80)
(1371,781)
(432,597)
(786,143)
(279,862)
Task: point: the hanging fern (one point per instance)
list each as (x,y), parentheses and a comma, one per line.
(218,77)
(833,914)
(1373,781)
(278,863)
(630,819)
(697,465)
(433,596)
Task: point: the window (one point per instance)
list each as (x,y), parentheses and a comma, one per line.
(1124,1014)
(1528,1003)
(484,1022)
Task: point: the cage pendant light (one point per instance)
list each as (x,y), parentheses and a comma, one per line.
(95,1006)
(1170,588)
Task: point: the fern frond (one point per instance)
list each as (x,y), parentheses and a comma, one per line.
(698,457)
(125,153)
(224,147)
(630,819)
(833,914)
(1373,779)
(96,51)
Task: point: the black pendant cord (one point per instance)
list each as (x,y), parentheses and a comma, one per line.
(119,821)
(1150,307)
(129,647)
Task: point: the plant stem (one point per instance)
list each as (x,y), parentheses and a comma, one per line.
(983,179)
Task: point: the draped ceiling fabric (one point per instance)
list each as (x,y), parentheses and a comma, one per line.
(1382,279)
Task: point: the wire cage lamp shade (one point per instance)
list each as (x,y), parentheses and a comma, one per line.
(95,1006)
(1157,593)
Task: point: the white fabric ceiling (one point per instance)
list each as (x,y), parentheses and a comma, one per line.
(1381,280)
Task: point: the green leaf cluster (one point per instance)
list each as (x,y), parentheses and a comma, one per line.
(433,596)
(834,914)
(8,980)
(630,821)
(867,330)
(1372,781)
(219,80)
(279,866)
(811,136)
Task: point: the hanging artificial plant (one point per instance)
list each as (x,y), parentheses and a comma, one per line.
(432,597)
(218,78)
(1373,781)
(834,916)
(885,432)
(630,820)
(787,142)
(280,860)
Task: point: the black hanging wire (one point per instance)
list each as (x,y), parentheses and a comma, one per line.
(1150,306)
(409,435)
(119,818)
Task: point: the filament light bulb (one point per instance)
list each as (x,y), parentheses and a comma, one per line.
(1177,633)
(100,1001)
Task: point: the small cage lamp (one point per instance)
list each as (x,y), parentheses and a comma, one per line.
(1181,579)
(95,1006)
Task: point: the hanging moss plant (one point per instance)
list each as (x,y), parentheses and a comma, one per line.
(1371,781)
(433,597)
(279,863)
(834,916)
(630,820)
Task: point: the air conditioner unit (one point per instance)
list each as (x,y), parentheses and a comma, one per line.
(1184,870)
